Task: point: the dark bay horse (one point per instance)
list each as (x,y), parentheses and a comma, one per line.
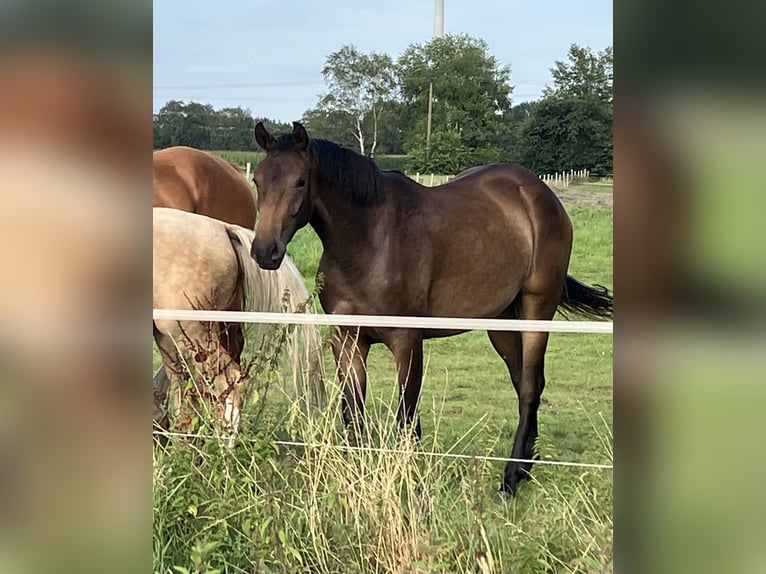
(200,182)
(493,242)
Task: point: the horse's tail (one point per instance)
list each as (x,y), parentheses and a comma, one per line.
(591,302)
(265,291)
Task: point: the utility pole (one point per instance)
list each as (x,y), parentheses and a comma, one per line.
(438,18)
(438,33)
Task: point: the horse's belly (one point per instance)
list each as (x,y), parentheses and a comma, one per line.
(481,293)
(441,333)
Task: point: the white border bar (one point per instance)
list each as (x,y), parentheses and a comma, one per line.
(442,323)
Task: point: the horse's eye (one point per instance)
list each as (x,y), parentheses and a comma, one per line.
(300,183)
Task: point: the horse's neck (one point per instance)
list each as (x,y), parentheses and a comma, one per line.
(338,223)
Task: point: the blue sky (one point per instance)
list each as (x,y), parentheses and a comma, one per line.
(267,55)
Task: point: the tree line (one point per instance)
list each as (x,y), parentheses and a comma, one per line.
(377,106)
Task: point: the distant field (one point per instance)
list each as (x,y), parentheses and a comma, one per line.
(264,508)
(601,187)
(241,157)
(398,162)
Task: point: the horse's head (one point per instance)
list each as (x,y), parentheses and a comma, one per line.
(285,200)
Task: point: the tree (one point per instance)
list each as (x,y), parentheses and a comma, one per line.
(586,75)
(273,126)
(359,86)
(331,125)
(512,143)
(201,126)
(168,125)
(564,134)
(232,129)
(471,91)
(571,126)
(197,125)
(183,124)
(447,154)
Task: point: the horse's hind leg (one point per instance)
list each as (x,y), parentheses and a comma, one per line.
(232,339)
(407,347)
(508,346)
(161,385)
(168,384)
(528,379)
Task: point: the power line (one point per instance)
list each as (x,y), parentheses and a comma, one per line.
(240,85)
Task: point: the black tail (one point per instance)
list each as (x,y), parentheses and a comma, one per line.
(590,302)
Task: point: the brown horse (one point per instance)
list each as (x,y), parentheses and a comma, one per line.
(200,182)
(493,242)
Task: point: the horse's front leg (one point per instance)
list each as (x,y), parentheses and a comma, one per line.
(407,347)
(350,350)
(161,387)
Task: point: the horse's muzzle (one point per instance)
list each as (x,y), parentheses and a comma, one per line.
(268,254)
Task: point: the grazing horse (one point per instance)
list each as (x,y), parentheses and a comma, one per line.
(493,242)
(201,182)
(203,263)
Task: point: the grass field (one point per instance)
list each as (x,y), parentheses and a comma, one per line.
(266,508)
(601,187)
(241,157)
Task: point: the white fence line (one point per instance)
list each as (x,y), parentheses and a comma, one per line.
(450,323)
(561,180)
(442,323)
(432,454)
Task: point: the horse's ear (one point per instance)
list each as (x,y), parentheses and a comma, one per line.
(264,138)
(300,136)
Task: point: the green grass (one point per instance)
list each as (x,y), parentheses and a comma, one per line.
(241,157)
(600,187)
(261,506)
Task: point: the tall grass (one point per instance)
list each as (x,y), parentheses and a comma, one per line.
(264,506)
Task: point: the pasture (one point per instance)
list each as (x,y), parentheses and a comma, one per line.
(269,507)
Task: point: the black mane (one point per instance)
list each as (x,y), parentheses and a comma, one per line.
(353,175)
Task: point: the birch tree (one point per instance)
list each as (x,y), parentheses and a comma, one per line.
(359,88)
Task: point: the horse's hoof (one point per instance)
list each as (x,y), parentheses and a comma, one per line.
(506,492)
(514,476)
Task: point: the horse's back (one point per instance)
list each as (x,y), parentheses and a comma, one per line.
(514,190)
(505,178)
(201,182)
(493,227)
(193,259)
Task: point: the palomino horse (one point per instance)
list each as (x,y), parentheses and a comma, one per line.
(201,182)
(203,263)
(493,242)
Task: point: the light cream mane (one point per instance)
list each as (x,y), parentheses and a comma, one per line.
(282,290)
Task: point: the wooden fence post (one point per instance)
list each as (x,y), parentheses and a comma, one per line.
(247,172)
